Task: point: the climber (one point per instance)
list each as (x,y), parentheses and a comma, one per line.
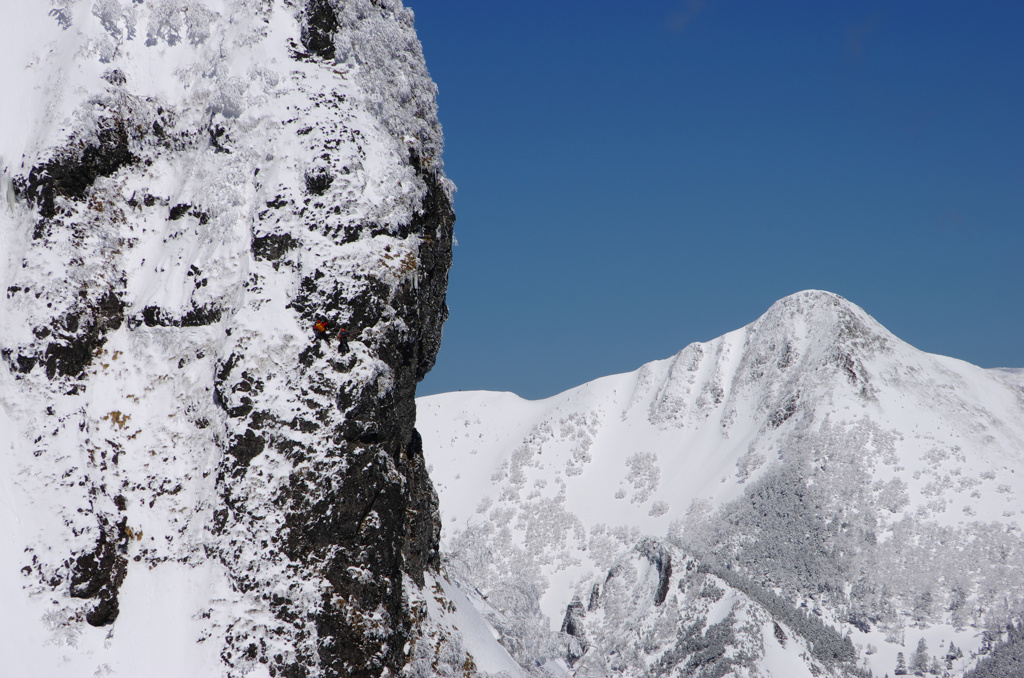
(320,329)
(342,341)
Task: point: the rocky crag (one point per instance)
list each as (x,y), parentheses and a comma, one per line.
(193,186)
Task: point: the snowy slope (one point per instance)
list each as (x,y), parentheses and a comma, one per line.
(812,451)
(191,483)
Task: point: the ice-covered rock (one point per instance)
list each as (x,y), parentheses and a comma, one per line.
(192,482)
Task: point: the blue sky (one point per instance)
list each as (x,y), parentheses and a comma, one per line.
(633,177)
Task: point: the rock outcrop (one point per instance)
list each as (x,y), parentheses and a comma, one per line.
(208,180)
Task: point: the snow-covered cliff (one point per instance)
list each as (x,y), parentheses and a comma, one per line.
(191,483)
(809,463)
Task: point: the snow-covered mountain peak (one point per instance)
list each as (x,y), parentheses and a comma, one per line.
(820,314)
(814,325)
(809,342)
(810,450)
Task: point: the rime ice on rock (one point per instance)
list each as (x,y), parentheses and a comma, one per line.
(197,182)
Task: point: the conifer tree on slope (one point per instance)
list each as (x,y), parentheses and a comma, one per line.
(919,661)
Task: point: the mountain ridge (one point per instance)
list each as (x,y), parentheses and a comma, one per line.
(811,451)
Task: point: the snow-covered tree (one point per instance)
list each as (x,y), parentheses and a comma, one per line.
(919,661)
(952,654)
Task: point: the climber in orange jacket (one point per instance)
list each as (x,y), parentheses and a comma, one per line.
(320,329)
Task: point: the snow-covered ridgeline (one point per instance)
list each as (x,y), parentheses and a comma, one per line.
(811,451)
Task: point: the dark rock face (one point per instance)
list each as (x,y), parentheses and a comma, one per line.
(273,246)
(154,316)
(98,575)
(359,510)
(379,519)
(660,557)
(81,335)
(575,631)
(73,171)
(423,521)
(318,181)
(319,23)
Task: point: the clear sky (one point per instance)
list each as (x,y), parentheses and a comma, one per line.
(633,177)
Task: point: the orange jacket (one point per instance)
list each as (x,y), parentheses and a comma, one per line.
(320,327)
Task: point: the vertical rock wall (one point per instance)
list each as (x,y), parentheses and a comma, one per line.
(218,177)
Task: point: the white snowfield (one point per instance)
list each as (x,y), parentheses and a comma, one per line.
(904,463)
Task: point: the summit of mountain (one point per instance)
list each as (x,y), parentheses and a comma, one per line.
(811,453)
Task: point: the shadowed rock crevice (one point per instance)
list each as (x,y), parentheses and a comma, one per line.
(197,316)
(72,171)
